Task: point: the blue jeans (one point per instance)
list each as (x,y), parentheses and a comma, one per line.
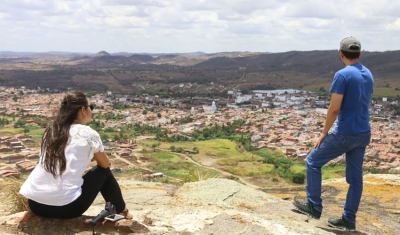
(332,147)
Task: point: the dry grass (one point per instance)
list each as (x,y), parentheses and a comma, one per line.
(14,201)
(201,176)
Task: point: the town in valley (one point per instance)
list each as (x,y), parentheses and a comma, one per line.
(135,128)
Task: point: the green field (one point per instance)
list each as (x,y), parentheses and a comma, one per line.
(328,172)
(245,169)
(175,166)
(166,157)
(378,91)
(186,171)
(33,130)
(298,168)
(228,156)
(216,148)
(385,92)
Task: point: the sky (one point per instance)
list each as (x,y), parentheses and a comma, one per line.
(168,26)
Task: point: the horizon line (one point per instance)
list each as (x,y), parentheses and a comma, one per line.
(192,52)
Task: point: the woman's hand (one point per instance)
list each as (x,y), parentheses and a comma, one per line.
(101,159)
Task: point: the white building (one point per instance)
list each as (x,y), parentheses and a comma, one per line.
(393,126)
(210,109)
(259,96)
(285,105)
(232,106)
(287,143)
(243,98)
(280,98)
(163,121)
(297,99)
(323,111)
(298,107)
(265,104)
(213,106)
(255,138)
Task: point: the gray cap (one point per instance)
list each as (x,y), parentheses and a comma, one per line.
(350,44)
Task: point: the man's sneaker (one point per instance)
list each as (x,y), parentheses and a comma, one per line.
(307,208)
(342,224)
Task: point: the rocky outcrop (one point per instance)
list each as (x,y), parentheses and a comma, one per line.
(221,206)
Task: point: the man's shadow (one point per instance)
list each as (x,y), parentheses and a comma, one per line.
(334,230)
(341,232)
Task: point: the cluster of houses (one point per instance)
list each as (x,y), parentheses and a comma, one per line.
(288,120)
(11,145)
(14,151)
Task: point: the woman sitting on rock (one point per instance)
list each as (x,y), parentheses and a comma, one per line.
(57,188)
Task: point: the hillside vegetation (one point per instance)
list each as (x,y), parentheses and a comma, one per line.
(159,74)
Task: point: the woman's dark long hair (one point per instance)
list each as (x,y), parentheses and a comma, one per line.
(56,135)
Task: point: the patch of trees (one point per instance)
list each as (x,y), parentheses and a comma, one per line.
(95,124)
(281,164)
(180,149)
(224,131)
(19,123)
(4,121)
(147,129)
(183,120)
(118,105)
(200,79)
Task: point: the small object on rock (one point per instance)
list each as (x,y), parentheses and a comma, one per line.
(117,170)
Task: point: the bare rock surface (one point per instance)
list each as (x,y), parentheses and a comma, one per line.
(217,207)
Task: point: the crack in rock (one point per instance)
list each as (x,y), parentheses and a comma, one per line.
(146,201)
(233,194)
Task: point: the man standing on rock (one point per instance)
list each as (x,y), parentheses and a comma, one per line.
(351,90)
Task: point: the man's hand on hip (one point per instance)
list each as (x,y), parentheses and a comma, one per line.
(323,135)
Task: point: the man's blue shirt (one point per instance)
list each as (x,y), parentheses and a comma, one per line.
(355,83)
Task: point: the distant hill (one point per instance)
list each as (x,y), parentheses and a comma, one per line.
(13,53)
(169,56)
(106,61)
(315,62)
(103,53)
(228,70)
(142,58)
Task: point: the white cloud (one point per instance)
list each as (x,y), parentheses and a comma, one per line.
(196,25)
(394,25)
